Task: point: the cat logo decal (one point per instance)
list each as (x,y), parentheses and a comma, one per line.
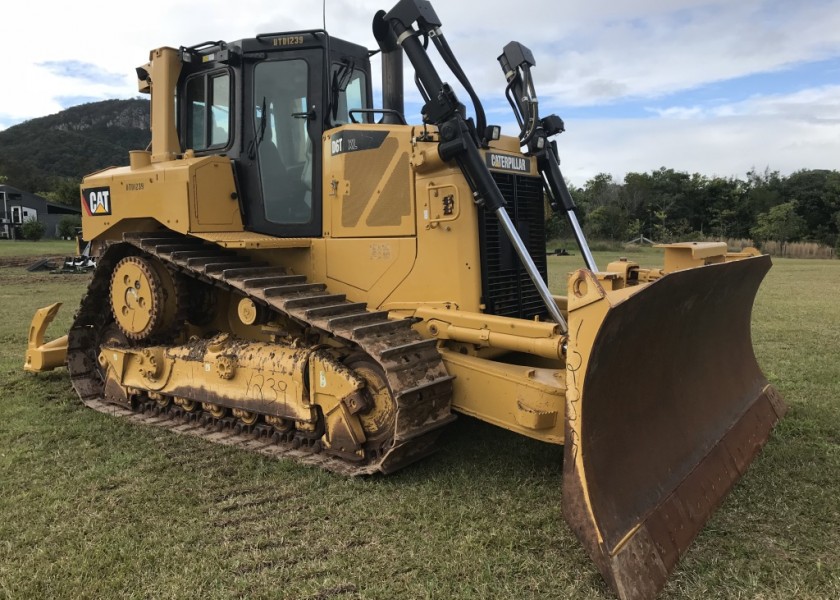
(97,201)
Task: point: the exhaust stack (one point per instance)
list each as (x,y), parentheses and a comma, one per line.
(159,77)
(392,69)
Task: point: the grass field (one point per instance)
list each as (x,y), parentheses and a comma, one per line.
(93,507)
(23,248)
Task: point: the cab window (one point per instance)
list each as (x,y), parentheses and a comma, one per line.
(208,111)
(349,87)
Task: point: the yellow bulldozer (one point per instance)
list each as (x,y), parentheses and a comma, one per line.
(291,269)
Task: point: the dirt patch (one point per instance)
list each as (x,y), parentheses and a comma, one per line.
(25,261)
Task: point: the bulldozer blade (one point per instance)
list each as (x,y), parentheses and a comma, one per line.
(666,408)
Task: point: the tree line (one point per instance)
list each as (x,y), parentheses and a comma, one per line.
(667,205)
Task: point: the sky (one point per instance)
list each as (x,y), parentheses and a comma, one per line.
(717,87)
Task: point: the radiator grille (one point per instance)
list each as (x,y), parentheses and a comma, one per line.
(507,289)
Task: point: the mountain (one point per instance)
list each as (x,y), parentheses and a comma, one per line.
(48,153)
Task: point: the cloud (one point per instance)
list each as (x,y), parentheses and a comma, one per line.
(68,101)
(660,52)
(679,112)
(84,71)
(711,145)
(817,104)
(808,105)
(604,89)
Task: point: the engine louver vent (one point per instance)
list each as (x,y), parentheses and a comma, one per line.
(507,289)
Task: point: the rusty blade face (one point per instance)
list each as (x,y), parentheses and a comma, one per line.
(671,411)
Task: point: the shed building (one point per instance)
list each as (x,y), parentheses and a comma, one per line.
(18,206)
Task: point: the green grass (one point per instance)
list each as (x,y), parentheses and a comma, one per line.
(21,248)
(95,507)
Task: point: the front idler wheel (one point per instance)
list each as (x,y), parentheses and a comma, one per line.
(379,415)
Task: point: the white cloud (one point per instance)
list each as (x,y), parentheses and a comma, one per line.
(673,52)
(817,104)
(712,145)
(587,52)
(813,104)
(679,112)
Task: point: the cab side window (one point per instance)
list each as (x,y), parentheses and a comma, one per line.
(208,116)
(349,87)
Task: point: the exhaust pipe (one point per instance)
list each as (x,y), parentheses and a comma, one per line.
(161,73)
(392,69)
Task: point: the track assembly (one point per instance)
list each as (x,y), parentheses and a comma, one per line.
(366,391)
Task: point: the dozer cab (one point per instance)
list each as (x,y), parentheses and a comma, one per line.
(293,270)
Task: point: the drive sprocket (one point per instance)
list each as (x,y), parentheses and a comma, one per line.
(143,297)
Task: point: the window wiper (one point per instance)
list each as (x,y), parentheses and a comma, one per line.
(252,147)
(340,80)
(263,121)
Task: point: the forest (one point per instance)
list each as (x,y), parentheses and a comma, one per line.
(667,205)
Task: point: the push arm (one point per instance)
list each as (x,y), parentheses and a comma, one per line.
(459,138)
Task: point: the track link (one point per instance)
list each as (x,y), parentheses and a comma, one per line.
(413,367)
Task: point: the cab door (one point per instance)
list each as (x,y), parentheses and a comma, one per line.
(282,125)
